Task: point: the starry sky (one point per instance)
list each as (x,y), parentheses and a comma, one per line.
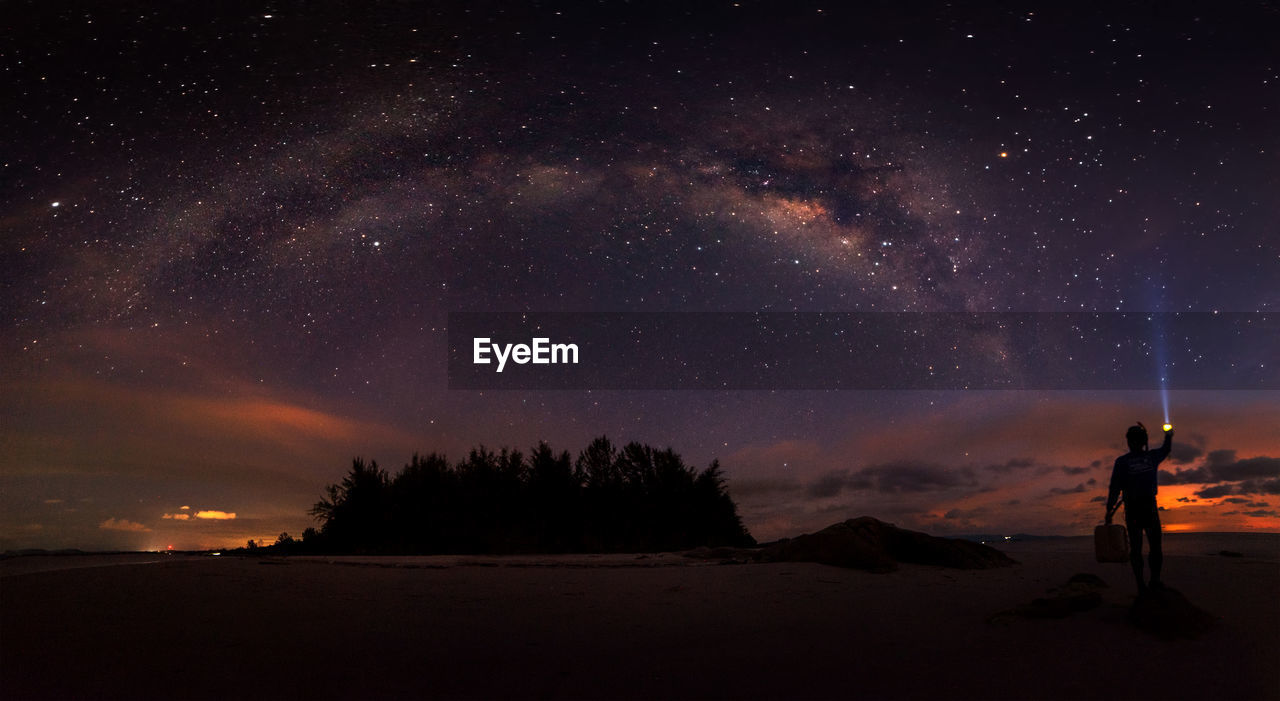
(232,234)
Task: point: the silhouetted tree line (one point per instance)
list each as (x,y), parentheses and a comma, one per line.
(607,500)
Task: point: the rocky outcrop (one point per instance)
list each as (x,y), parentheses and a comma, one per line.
(1166,613)
(866,543)
(1082,592)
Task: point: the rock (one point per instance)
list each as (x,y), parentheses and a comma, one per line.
(1059,606)
(1087,579)
(1168,614)
(869,544)
(1079,594)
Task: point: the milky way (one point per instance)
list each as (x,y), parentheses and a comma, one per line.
(244,227)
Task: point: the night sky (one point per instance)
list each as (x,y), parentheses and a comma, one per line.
(232,233)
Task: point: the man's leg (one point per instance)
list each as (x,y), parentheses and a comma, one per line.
(1157,553)
(1135,545)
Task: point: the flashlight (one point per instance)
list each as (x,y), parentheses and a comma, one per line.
(1168,427)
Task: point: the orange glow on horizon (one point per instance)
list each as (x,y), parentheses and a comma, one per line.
(256,416)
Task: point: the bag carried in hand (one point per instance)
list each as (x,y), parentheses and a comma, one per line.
(1111,543)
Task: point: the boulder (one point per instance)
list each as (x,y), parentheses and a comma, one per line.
(1086,579)
(866,543)
(1081,593)
(1166,613)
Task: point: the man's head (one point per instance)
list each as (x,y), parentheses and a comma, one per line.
(1136,437)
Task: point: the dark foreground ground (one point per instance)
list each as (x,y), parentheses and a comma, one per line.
(620,627)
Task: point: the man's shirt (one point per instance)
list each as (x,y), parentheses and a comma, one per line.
(1134,474)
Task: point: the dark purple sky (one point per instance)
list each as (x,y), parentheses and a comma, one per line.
(232,233)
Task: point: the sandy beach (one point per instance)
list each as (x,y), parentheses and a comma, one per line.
(627,626)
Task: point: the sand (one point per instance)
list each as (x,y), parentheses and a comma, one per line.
(623,626)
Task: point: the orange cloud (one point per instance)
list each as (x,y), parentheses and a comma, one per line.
(216,515)
(178,517)
(120,524)
(109,416)
(245,416)
(270,417)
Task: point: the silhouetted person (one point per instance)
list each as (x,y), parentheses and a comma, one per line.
(1134,475)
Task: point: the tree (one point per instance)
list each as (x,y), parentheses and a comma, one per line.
(354,512)
(635,499)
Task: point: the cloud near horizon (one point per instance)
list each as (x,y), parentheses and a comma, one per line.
(1011,465)
(121,524)
(1187,450)
(893,478)
(208,514)
(1229,475)
(959,498)
(1078,489)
